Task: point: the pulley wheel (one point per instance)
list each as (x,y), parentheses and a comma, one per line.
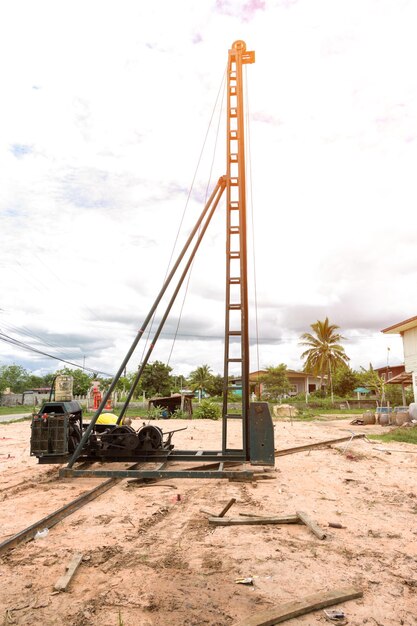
(120,437)
(150,438)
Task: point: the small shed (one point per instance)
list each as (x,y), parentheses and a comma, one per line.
(170,404)
(405,379)
(360,391)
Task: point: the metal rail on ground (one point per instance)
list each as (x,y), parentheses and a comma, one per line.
(58,515)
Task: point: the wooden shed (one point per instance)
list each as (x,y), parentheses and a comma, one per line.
(170,404)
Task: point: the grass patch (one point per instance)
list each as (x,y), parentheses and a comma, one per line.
(339,411)
(308,415)
(405,435)
(303,416)
(12,410)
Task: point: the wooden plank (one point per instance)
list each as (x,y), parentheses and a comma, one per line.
(319,444)
(315,528)
(209,513)
(227,507)
(222,513)
(301,607)
(64,581)
(239,521)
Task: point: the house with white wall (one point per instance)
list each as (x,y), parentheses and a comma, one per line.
(301,382)
(408,331)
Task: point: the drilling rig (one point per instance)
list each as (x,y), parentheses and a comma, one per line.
(149,445)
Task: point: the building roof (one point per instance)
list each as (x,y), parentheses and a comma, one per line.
(400,327)
(292,373)
(390,368)
(405,378)
(172,398)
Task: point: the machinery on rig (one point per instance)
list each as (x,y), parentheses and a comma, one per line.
(149,444)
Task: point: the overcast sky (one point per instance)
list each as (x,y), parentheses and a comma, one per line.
(104,113)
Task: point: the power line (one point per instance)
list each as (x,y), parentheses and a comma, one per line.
(24,346)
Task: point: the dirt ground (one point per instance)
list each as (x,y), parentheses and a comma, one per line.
(151,559)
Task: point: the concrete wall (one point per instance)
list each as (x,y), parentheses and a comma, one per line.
(410,355)
(410,350)
(31,399)
(28,399)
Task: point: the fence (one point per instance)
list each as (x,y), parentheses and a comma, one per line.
(31,399)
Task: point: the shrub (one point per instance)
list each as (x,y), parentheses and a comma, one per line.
(154,413)
(207,410)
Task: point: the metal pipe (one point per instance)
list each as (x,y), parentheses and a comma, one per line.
(171,302)
(107,395)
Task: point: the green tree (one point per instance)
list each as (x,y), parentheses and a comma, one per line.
(45,381)
(15,377)
(324,351)
(33,382)
(393,395)
(200,378)
(215,385)
(178,382)
(123,385)
(82,381)
(156,379)
(371,380)
(275,381)
(345,380)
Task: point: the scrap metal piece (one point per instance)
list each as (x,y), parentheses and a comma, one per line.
(261,434)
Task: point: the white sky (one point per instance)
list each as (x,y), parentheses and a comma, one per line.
(105,107)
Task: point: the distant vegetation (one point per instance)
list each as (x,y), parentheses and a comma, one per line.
(324,358)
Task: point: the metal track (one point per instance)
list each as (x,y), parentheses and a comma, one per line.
(164,473)
(58,515)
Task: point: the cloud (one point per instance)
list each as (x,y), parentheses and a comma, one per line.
(102,139)
(245,11)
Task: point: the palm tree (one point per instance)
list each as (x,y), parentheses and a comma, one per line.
(324,352)
(200,378)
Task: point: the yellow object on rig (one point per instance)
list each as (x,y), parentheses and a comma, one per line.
(107,418)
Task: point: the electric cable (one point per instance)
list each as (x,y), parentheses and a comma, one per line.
(249,160)
(20,344)
(222,88)
(22,330)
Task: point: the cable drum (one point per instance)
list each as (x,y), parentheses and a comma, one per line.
(150,438)
(120,437)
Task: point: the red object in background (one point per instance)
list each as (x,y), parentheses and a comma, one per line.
(96,397)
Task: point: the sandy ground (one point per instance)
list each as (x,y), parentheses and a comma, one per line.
(153,560)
